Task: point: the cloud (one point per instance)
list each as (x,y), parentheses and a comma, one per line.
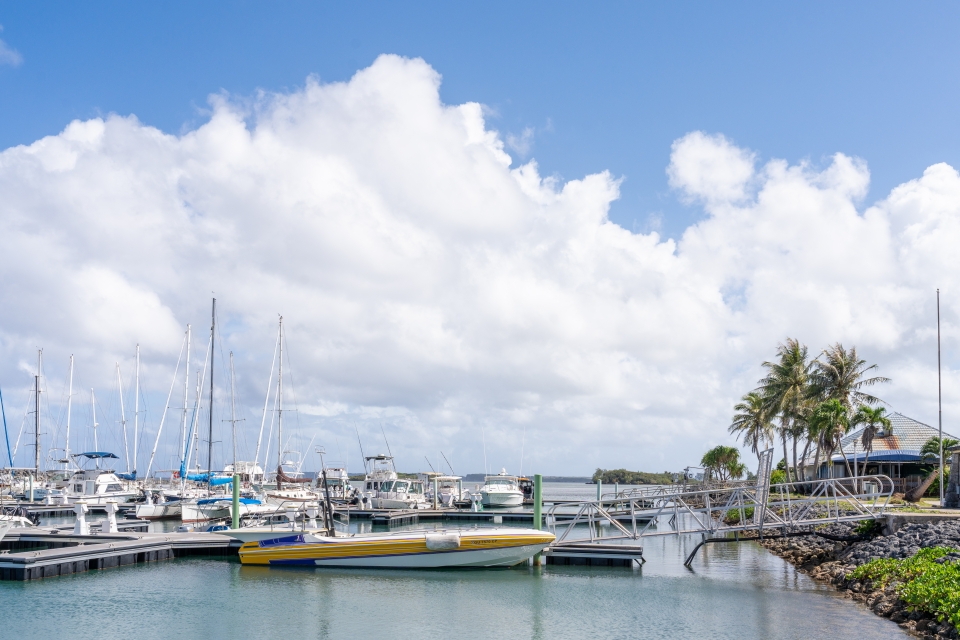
(428,286)
(8,55)
(522,143)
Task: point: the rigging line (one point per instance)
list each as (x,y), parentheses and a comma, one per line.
(166,406)
(196,409)
(6,434)
(273,414)
(363,458)
(266,399)
(523,442)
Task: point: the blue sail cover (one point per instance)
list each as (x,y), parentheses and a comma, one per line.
(95,455)
(126,476)
(205,477)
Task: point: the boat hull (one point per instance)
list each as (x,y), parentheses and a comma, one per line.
(496,499)
(162,511)
(410,550)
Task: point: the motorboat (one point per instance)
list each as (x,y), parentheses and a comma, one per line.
(449,489)
(337,484)
(501,490)
(96,486)
(249,472)
(383,489)
(450,548)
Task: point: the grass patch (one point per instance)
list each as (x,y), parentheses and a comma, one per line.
(733,515)
(920,581)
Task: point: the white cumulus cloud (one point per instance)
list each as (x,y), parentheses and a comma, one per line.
(428,286)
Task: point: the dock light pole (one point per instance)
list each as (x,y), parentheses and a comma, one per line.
(939,400)
(538,512)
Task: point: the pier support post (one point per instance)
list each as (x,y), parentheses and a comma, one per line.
(436,489)
(235,511)
(30,490)
(81,528)
(599,489)
(538,512)
(110,524)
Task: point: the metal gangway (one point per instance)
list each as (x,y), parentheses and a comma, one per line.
(714,511)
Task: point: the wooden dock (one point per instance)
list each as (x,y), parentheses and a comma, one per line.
(46,553)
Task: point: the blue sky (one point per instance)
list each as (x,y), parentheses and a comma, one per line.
(609,87)
(428,287)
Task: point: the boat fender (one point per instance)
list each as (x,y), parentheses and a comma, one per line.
(443,541)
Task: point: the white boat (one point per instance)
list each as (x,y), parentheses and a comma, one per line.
(337,483)
(382,489)
(501,490)
(451,548)
(449,489)
(96,486)
(219,507)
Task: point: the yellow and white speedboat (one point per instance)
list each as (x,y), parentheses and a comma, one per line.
(495,547)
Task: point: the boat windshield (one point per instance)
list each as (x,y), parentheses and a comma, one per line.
(503,483)
(400,487)
(416,487)
(386,486)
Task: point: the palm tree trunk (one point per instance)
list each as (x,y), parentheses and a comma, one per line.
(783,439)
(795,458)
(914,495)
(803,457)
(816,461)
(866,458)
(845,461)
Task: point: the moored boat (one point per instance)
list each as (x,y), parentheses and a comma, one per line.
(494,547)
(501,490)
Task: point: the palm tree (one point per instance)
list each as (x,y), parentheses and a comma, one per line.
(752,421)
(930,449)
(841,375)
(831,422)
(873,418)
(725,461)
(786,388)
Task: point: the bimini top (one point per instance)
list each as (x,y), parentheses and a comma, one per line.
(95,455)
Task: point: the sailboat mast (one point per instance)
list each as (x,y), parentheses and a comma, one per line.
(186,387)
(213,338)
(136,414)
(123,420)
(280,403)
(96,443)
(66,445)
(233,411)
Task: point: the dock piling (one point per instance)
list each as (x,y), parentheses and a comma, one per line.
(538,512)
(81,528)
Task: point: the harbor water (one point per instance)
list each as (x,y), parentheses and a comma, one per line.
(731,591)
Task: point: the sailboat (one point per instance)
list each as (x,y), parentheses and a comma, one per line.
(297,493)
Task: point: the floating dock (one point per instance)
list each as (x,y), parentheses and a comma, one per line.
(594,555)
(46,553)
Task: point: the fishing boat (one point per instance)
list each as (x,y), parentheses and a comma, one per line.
(449,489)
(494,547)
(383,489)
(501,490)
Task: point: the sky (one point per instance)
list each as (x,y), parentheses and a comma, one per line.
(540,236)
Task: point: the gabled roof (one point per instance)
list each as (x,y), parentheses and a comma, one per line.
(901,443)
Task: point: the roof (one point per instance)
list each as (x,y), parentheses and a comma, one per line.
(901,443)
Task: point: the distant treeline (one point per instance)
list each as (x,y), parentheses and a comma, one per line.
(611,476)
(478,477)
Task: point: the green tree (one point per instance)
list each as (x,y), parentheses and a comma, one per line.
(842,375)
(872,419)
(831,422)
(931,448)
(786,390)
(725,462)
(752,422)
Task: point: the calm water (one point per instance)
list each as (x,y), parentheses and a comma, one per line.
(733,591)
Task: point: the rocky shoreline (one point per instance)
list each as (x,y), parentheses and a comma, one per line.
(835,560)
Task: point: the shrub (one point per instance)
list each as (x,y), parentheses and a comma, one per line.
(733,515)
(921,581)
(779,476)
